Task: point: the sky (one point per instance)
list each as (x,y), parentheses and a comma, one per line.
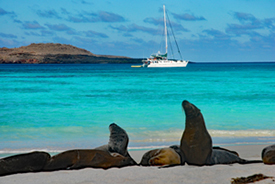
(206,31)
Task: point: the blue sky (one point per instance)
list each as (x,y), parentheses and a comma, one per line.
(216,30)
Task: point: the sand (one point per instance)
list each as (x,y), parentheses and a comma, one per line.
(137,175)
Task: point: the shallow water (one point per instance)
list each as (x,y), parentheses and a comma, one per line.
(57,107)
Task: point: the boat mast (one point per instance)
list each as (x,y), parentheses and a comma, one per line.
(165,29)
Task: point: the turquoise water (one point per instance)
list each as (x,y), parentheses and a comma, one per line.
(57,107)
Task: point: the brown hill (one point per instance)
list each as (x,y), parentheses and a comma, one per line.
(42,53)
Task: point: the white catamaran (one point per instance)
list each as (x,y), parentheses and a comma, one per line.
(160,60)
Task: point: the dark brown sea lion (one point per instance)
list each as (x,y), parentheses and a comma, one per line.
(268,154)
(118,141)
(29,162)
(114,154)
(196,143)
(163,156)
(78,159)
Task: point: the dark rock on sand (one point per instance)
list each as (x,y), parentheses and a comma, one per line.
(250,179)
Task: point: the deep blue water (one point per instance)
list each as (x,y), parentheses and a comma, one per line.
(57,107)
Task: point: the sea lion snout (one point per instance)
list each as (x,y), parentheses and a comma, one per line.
(190,109)
(184,102)
(113,126)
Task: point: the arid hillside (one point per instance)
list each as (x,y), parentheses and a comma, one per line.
(43,53)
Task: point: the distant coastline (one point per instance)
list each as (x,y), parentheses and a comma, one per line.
(233,62)
(55,53)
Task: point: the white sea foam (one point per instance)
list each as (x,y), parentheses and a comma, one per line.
(242,133)
(20,151)
(174,135)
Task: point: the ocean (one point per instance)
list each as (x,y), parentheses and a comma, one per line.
(60,107)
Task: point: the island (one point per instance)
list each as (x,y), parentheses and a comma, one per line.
(56,53)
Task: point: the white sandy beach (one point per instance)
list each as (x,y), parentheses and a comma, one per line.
(180,174)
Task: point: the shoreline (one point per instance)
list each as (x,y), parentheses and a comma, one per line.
(54,151)
(133,149)
(136,174)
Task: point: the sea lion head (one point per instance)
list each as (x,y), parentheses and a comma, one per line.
(118,140)
(191,111)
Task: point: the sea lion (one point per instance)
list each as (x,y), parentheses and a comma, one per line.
(114,154)
(219,156)
(268,154)
(78,159)
(224,156)
(147,156)
(196,143)
(118,141)
(220,148)
(28,162)
(163,156)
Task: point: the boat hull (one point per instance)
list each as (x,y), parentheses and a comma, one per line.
(166,64)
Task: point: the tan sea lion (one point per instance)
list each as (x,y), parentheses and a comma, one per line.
(29,162)
(196,143)
(78,159)
(268,154)
(165,156)
(162,156)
